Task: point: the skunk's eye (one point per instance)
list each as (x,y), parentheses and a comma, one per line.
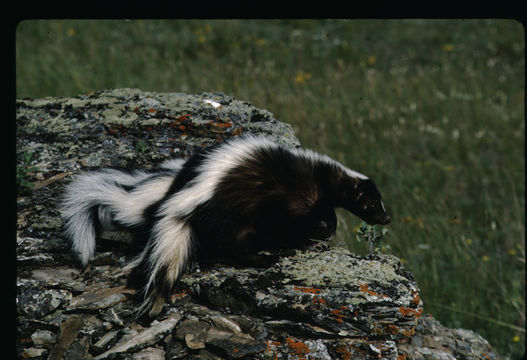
(370,206)
(322,225)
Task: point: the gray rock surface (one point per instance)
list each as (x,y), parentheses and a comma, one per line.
(327,305)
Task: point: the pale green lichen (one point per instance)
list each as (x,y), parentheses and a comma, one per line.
(339,268)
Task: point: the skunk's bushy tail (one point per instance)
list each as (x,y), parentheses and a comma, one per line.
(87,206)
(109,198)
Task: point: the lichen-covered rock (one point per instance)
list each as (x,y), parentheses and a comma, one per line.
(435,341)
(150,336)
(43,338)
(124,127)
(330,294)
(35,302)
(327,305)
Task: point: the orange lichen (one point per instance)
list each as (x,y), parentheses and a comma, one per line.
(338,315)
(416,299)
(343,351)
(392,329)
(411,312)
(222,125)
(306,290)
(178,296)
(317,300)
(183,117)
(409,333)
(298,347)
(364,288)
(270,343)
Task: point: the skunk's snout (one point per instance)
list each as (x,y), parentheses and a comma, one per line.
(378,220)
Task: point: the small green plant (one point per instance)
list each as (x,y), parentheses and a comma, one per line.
(23,185)
(141,146)
(372,234)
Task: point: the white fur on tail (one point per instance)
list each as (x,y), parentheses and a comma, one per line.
(99,197)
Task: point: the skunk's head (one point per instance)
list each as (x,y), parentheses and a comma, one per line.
(367,203)
(362,198)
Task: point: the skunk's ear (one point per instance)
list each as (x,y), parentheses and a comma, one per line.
(347,190)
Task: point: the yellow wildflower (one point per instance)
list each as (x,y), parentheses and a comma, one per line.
(371,60)
(469,241)
(261,42)
(71,31)
(485,258)
(302,77)
(408,219)
(516,338)
(448,47)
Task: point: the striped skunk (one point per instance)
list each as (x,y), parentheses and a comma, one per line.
(230,201)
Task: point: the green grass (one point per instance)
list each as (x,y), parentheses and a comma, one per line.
(433,111)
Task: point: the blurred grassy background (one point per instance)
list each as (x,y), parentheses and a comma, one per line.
(433,111)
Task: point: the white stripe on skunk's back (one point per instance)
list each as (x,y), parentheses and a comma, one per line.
(315,157)
(214,168)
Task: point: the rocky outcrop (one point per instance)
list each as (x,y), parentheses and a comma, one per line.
(310,305)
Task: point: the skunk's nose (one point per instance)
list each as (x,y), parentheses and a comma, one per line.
(386,220)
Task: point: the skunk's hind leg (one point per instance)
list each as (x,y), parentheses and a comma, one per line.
(155,271)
